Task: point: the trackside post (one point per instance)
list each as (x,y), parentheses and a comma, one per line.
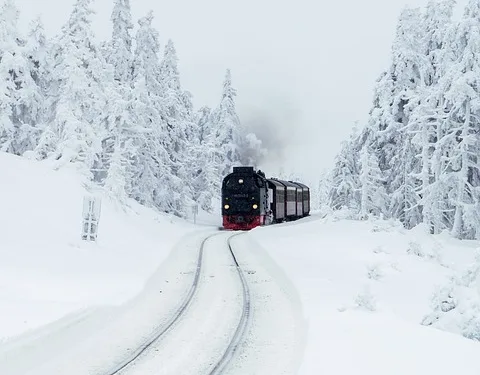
(195,213)
(91,217)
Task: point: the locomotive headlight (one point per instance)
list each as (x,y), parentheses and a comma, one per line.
(255,206)
(226,206)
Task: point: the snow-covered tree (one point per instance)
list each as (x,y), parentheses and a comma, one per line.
(154,183)
(427,117)
(21,99)
(372,193)
(226,128)
(320,200)
(423,127)
(409,69)
(206,175)
(203,120)
(462,98)
(82,84)
(206,180)
(437,22)
(120,49)
(345,189)
(179,117)
(118,175)
(126,125)
(8,46)
(151,161)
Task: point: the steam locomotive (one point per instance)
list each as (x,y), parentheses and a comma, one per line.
(249,199)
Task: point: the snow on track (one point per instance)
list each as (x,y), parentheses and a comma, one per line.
(276,336)
(169,324)
(234,326)
(199,338)
(239,335)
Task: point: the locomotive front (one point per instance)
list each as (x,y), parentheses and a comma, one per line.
(244,199)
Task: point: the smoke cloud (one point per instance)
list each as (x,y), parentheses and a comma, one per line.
(274,124)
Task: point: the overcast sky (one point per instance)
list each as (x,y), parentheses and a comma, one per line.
(304,69)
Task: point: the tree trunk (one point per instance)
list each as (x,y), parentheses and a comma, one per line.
(463,175)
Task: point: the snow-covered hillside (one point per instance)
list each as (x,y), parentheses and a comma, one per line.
(46,271)
(375,298)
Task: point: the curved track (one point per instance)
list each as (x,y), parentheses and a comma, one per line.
(223,357)
(242,325)
(175,317)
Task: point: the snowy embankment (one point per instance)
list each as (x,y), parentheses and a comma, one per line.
(50,280)
(366,289)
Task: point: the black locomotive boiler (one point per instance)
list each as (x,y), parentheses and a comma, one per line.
(249,199)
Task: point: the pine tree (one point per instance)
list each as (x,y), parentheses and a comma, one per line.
(38,49)
(345,188)
(8,47)
(178,115)
(462,99)
(437,22)
(226,128)
(391,127)
(154,184)
(203,120)
(324,187)
(36,52)
(205,172)
(145,94)
(83,82)
(372,193)
(428,115)
(410,69)
(126,123)
(21,100)
(120,49)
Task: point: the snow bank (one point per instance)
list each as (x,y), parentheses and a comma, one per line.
(46,271)
(366,289)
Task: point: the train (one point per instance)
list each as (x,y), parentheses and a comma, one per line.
(249,199)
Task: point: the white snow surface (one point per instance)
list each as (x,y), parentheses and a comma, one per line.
(329,295)
(45,264)
(365,288)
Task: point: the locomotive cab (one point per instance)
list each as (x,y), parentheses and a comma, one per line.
(244,199)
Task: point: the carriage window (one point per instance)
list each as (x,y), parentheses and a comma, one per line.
(290,195)
(280,196)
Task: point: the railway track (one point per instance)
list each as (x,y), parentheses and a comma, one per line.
(221,364)
(242,325)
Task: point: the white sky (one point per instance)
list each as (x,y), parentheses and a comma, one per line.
(304,69)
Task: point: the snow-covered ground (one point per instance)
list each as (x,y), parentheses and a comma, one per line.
(330,295)
(45,265)
(366,288)
(55,287)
